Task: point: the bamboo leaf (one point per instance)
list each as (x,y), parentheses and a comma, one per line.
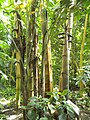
(4,75)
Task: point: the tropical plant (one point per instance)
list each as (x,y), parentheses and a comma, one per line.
(55,107)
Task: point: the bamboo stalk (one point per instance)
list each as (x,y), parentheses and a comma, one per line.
(43,23)
(64,82)
(18,73)
(81,55)
(18,80)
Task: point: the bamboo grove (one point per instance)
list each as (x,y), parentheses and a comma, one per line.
(32,35)
(32,79)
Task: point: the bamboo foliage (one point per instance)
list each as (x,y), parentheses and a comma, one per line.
(32,33)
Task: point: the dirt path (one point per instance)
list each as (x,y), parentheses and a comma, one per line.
(8,111)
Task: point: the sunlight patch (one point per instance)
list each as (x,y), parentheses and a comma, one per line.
(12,117)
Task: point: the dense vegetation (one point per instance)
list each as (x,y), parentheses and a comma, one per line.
(44,58)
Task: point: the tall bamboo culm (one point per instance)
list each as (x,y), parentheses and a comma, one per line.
(81,56)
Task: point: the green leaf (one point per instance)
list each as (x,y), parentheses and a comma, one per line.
(63,116)
(31,103)
(65,92)
(4,75)
(71,107)
(51,1)
(1,106)
(25,107)
(49,93)
(55,1)
(43,118)
(32,115)
(52,108)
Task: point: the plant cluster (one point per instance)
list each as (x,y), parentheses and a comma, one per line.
(56,107)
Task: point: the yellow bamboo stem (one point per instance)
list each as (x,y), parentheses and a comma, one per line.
(81,55)
(18,79)
(83,41)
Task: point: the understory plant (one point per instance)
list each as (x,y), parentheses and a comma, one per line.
(56,107)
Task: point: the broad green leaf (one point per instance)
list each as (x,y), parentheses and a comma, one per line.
(32,115)
(52,108)
(65,92)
